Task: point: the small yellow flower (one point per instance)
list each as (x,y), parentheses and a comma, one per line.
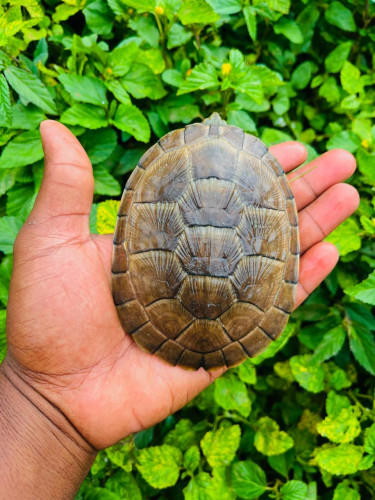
(159,10)
(130,11)
(365,143)
(188,72)
(109,71)
(226,68)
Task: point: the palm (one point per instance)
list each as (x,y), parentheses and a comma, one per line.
(63,328)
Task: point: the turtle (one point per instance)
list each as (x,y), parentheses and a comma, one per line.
(206,247)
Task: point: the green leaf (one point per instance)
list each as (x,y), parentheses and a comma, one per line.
(231,394)
(366,164)
(85,89)
(30,89)
(289,29)
(335,59)
(269,440)
(362,345)
(118,91)
(330,345)
(197,11)
(350,78)
(309,376)
(369,442)
(276,345)
(220,447)
(146,29)
(129,161)
(251,21)
(177,36)
(343,427)
(183,435)
(5,105)
(24,149)
(192,458)
(172,77)
(120,455)
(364,291)
(101,494)
(342,459)
(329,90)
(205,487)
(9,227)
(202,76)
(99,144)
(282,463)
(85,115)
(64,11)
(242,120)
(344,492)
(344,140)
(130,119)
(160,465)
(6,267)
(225,7)
(3,344)
(338,15)
(273,136)
(99,17)
(248,479)
(124,485)
(335,403)
(121,58)
(294,490)
(302,75)
(106,216)
(105,183)
(141,82)
(282,6)
(25,117)
(346,237)
(247,372)
(20,200)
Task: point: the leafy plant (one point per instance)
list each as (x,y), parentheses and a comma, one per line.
(298,421)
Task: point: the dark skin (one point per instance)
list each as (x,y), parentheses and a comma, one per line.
(73,382)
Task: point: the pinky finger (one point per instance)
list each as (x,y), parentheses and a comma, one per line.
(315,265)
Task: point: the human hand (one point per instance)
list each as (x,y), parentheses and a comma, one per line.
(64,336)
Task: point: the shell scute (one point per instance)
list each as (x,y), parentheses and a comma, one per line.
(204,335)
(206,297)
(166,179)
(155,275)
(170,316)
(209,250)
(211,202)
(213,158)
(240,319)
(206,250)
(154,226)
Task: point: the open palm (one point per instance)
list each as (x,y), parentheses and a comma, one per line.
(63,332)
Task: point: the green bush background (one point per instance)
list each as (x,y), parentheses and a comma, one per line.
(298,422)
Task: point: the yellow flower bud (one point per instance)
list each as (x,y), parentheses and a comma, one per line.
(159,10)
(130,11)
(109,71)
(226,68)
(365,143)
(188,72)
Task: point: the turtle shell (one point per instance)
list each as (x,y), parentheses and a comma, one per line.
(206,247)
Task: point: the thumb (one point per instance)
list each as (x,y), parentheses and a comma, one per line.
(67,187)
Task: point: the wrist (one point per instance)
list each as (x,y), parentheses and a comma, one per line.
(42,455)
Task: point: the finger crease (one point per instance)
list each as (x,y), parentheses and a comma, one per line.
(323,233)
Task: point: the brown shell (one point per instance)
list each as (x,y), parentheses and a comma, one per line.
(206,248)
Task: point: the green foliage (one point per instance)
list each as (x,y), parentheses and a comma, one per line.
(296,422)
